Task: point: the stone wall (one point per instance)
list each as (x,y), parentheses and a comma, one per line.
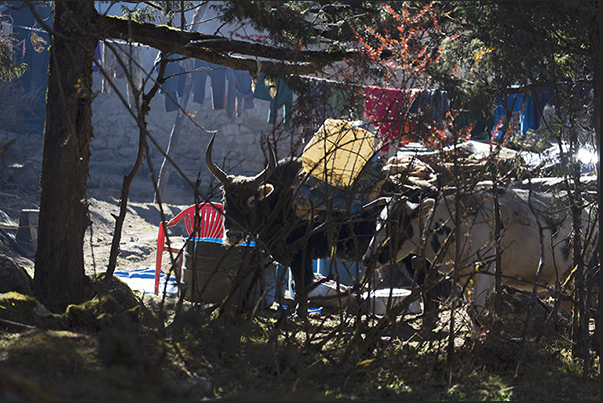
(237,147)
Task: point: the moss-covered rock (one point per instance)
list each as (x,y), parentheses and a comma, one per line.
(93,315)
(122,293)
(118,307)
(19,311)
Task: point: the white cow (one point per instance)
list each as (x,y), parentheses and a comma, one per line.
(403,225)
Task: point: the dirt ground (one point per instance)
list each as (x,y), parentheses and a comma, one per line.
(139,234)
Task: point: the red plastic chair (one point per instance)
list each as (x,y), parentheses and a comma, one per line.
(211,225)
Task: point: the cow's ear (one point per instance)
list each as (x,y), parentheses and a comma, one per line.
(427,206)
(265,191)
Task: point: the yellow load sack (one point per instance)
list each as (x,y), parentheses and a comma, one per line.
(337,152)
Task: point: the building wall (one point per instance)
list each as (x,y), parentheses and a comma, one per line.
(237,147)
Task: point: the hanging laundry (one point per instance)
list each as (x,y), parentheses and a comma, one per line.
(340,103)
(244,88)
(109,64)
(230,89)
(313,104)
(217,75)
(527,108)
(324,98)
(230,105)
(173,88)
(440,105)
(387,109)
(218,87)
(431,105)
(98,56)
(133,60)
(119,60)
(199,79)
(239,95)
(279,95)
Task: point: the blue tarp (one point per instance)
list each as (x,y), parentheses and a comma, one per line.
(144,280)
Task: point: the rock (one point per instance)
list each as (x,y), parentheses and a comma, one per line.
(20,312)
(5,219)
(118,308)
(13,277)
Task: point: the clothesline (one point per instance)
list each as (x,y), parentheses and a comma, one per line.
(392,112)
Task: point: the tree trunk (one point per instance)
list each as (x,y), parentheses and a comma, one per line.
(59,278)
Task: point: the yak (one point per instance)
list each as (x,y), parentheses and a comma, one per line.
(405,227)
(265,208)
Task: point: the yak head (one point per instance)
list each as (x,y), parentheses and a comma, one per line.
(244,198)
(398,231)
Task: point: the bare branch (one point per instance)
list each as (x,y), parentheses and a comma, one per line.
(220,50)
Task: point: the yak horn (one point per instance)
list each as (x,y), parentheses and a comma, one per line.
(213,168)
(262,176)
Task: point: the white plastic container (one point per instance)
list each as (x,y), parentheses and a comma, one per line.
(337,152)
(378,300)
